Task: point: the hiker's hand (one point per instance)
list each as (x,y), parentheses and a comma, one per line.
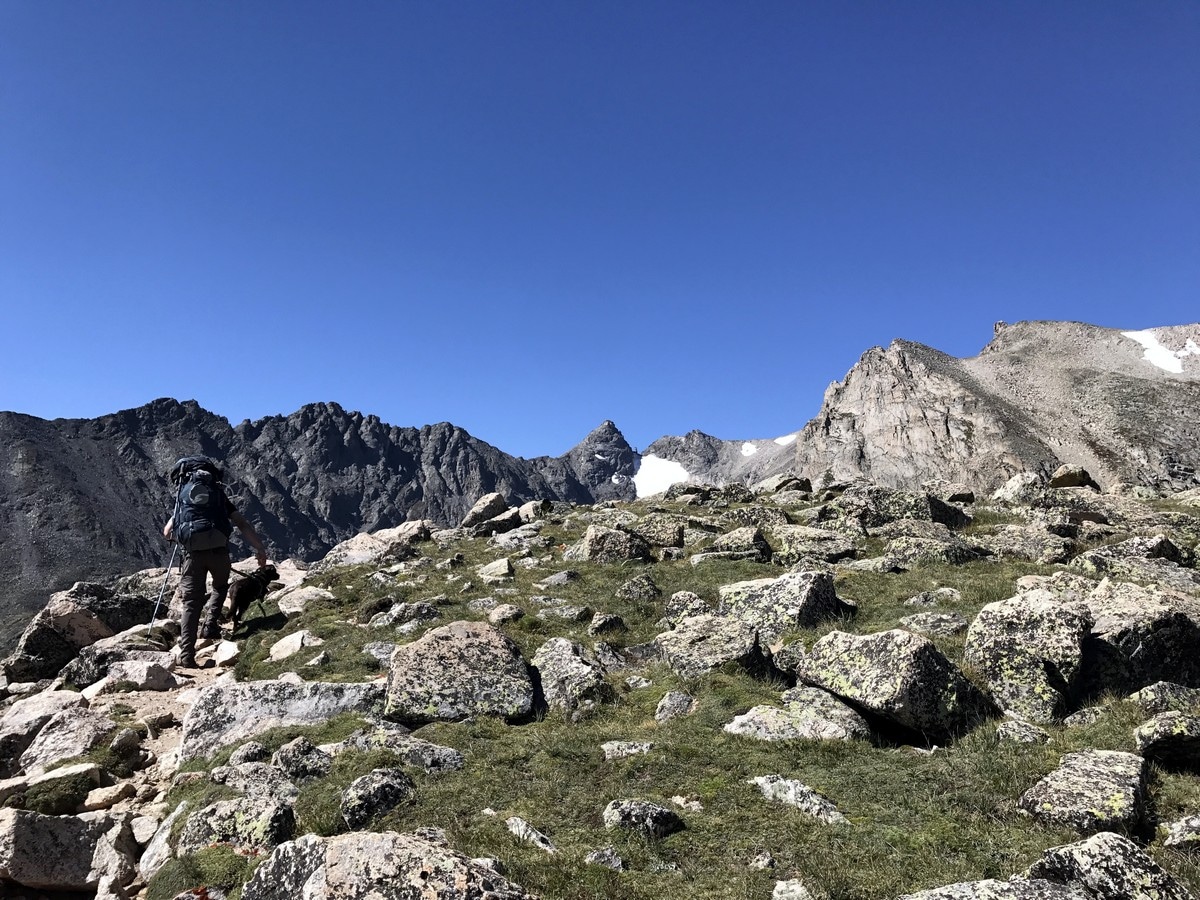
(261,556)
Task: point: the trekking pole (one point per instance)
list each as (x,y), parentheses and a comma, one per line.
(162,590)
(170,563)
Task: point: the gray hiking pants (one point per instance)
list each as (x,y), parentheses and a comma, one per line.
(197,566)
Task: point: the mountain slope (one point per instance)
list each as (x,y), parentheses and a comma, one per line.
(1039,395)
(85,498)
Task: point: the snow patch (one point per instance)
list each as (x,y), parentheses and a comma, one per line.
(748,449)
(1157,354)
(785,440)
(656,474)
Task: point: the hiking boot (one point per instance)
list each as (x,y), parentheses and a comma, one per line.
(211,632)
(186,662)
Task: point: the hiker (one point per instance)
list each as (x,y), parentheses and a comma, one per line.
(205,519)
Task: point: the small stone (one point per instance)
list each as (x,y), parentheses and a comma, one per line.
(530,835)
(642,816)
(793,889)
(1017,731)
(637,682)
(505,613)
(606,857)
(692,804)
(763,860)
(673,705)
(621,749)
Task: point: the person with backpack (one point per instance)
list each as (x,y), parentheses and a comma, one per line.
(202,523)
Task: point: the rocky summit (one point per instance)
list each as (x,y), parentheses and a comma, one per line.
(857,691)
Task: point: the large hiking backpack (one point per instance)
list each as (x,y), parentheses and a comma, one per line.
(201,510)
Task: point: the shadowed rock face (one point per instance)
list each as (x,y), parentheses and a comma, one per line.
(86,498)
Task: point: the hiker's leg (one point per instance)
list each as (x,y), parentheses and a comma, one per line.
(194,584)
(218,566)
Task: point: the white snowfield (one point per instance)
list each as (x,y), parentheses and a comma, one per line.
(655,475)
(1163,357)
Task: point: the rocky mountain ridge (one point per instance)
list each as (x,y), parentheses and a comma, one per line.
(1039,395)
(85,498)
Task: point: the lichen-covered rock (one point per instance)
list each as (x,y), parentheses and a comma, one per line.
(947,623)
(1171,738)
(642,816)
(797,542)
(71,620)
(808,713)
(374,794)
(748,541)
(256,779)
(1025,542)
(682,605)
(1016,731)
(911,551)
(775,605)
(301,761)
(65,853)
(899,676)
(1184,834)
(1157,561)
(874,506)
(25,718)
(1140,636)
(92,663)
(431,758)
(459,670)
(673,705)
(936,597)
(794,793)
(1029,649)
(607,857)
(660,529)
(993,889)
(225,713)
(1166,696)
(570,676)
(72,732)
(1109,866)
(248,825)
(639,589)
(385,865)
(700,644)
(608,545)
(789,657)
(1091,791)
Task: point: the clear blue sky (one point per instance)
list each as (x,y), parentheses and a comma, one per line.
(525,218)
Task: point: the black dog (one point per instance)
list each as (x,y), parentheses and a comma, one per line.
(247,590)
